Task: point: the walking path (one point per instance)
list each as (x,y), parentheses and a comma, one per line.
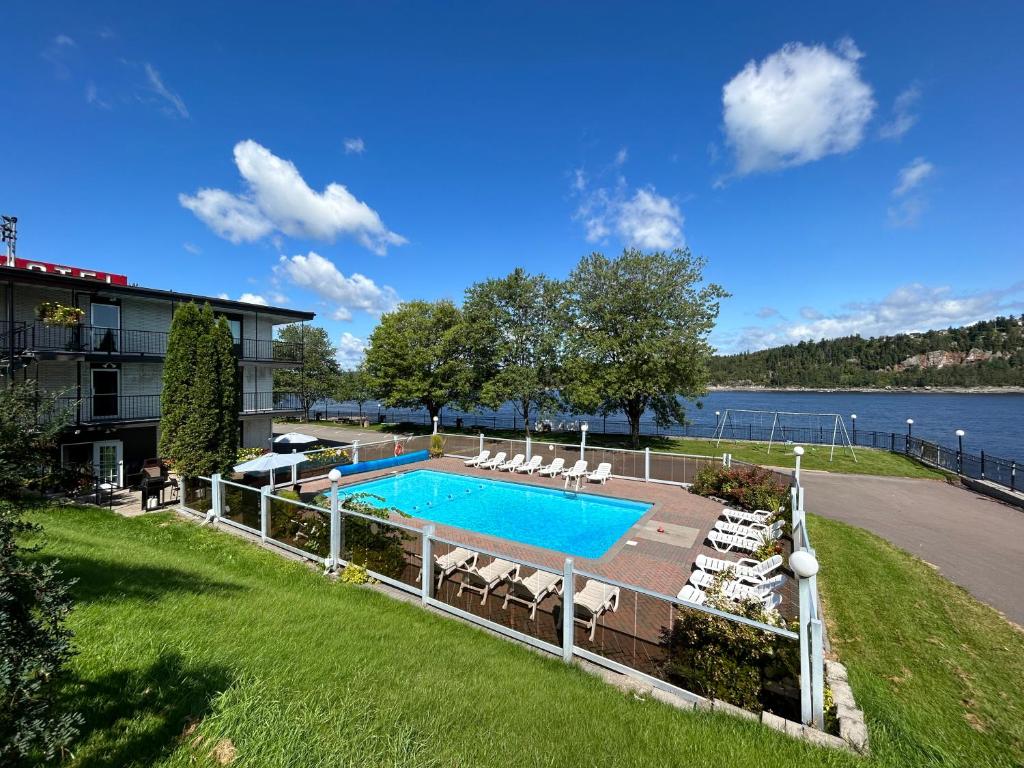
(974,541)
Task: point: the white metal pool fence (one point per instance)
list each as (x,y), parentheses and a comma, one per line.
(628,639)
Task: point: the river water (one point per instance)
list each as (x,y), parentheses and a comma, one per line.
(993,423)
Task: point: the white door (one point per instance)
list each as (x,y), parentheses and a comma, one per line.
(106,462)
(106,328)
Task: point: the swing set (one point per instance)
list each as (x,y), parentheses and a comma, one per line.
(786,426)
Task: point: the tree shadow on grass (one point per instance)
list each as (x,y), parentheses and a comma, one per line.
(139,716)
(99,580)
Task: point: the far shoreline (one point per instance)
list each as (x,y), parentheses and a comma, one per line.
(1009,390)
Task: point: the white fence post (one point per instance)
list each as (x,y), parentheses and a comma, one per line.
(529,446)
(583,441)
(355,451)
(568,611)
(427,578)
(481,444)
(265,512)
(217,492)
(805,657)
(335,556)
(817,673)
(647,464)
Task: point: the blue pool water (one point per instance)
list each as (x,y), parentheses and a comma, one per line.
(575,523)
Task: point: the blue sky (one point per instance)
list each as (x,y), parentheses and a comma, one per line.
(841,170)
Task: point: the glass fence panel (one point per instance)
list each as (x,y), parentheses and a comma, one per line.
(517,596)
(677,468)
(197,495)
(463,446)
(624,463)
(377,450)
(382,548)
(300,527)
(417,443)
(498,445)
(319,463)
(241,505)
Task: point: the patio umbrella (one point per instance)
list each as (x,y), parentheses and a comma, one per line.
(268,462)
(294,438)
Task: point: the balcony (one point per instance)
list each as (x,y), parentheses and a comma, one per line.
(106,409)
(271,351)
(39,339)
(270,402)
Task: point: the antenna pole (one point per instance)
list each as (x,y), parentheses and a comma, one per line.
(9,236)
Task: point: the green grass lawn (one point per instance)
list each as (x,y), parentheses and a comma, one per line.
(869,461)
(191,638)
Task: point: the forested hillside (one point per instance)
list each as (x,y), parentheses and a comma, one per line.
(990,353)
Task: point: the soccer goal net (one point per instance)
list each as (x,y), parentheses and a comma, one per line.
(786,427)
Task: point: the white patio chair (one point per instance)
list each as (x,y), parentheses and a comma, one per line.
(482,456)
(592,602)
(490,576)
(745,569)
(601,474)
(579,469)
(512,464)
(536,587)
(498,460)
(531,466)
(458,559)
(553,468)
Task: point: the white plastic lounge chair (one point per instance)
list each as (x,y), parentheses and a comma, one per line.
(477,459)
(512,464)
(703,580)
(696,595)
(592,601)
(531,466)
(536,587)
(691,594)
(491,575)
(752,531)
(727,542)
(746,518)
(601,474)
(498,460)
(746,569)
(579,469)
(553,468)
(458,559)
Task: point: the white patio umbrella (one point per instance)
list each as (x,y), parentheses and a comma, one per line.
(268,462)
(294,438)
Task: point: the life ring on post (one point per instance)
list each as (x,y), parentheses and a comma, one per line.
(399,449)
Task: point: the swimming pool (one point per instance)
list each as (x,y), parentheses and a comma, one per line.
(575,523)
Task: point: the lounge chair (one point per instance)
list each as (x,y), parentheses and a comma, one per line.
(536,587)
(458,559)
(703,580)
(691,594)
(746,569)
(727,542)
(553,468)
(752,531)
(592,601)
(696,595)
(512,464)
(530,466)
(746,518)
(579,469)
(490,576)
(498,460)
(477,459)
(601,474)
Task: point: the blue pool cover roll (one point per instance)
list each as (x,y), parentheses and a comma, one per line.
(393,461)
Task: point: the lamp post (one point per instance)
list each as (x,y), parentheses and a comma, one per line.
(960,451)
(798,451)
(910,427)
(853,420)
(583,438)
(717,415)
(435,425)
(334,476)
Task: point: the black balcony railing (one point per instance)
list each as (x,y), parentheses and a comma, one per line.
(271,350)
(259,402)
(93,409)
(85,339)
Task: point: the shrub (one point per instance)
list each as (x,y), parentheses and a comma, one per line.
(35,646)
(355,574)
(724,659)
(436,446)
(248,454)
(30,424)
(746,487)
(367,543)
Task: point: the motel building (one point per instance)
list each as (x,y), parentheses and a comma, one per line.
(107,364)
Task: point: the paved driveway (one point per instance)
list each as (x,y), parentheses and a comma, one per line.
(974,541)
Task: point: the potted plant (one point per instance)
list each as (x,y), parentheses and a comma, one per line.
(63,318)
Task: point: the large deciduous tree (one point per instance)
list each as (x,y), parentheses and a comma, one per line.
(317,377)
(199,420)
(30,424)
(354,386)
(416,358)
(638,334)
(512,335)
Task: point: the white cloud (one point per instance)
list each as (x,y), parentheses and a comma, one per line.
(643,219)
(253,298)
(63,40)
(903,117)
(909,308)
(92,96)
(912,175)
(765,312)
(622,156)
(175,104)
(351,350)
(797,105)
(192,248)
(278,199)
(355,146)
(347,294)
(907,208)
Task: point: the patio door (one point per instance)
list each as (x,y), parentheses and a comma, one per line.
(106,462)
(106,382)
(106,327)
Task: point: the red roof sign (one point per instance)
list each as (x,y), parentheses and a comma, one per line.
(60,269)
